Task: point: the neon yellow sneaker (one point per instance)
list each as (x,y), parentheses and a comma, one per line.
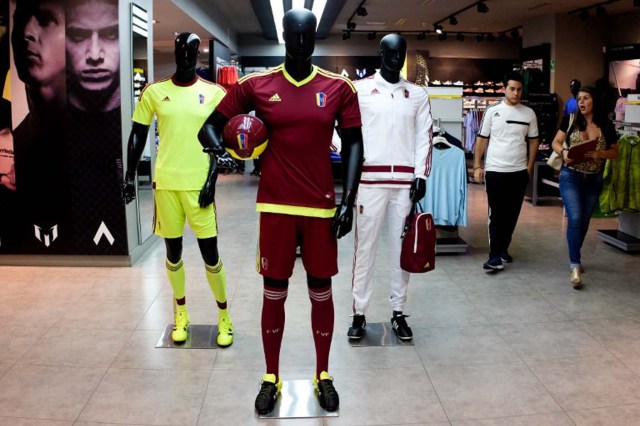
(267,396)
(225,332)
(327,394)
(180,332)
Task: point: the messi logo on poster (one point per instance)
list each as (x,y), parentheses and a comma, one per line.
(321,99)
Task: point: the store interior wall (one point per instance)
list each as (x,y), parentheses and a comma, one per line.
(126,90)
(578,52)
(207,14)
(358,45)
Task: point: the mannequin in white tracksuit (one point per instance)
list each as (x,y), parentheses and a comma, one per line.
(397,132)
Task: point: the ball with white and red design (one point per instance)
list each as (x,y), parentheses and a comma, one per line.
(245,137)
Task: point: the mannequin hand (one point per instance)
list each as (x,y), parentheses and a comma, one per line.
(225,161)
(343,219)
(418,190)
(207,194)
(128,188)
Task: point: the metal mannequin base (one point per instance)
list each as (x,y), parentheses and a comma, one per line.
(298,400)
(379,334)
(201,336)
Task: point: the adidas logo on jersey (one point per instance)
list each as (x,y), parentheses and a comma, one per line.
(375,92)
(275,98)
(496,114)
(166,99)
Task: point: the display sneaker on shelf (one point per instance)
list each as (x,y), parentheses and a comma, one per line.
(436,82)
(447,83)
(501,90)
(479,90)
(494,264)
(180,330)
(478,83)
(458,83)
(327,394)
(225,332)
(500,84)
(356,331)
(489,91)
(467,90)
(488,83)
(268,395)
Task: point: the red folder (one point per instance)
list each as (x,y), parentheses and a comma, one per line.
(577,152)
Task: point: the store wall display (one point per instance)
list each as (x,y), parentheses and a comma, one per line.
(472,74)
(68,152)
(353,67)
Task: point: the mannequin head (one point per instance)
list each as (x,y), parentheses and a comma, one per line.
(186,51)
(299,34)
(393,49)
(574,87)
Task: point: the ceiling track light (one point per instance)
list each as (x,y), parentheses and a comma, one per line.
(346,35)
(480,38)
(490,37)
(438,28)
(371,36)
(460,37)
(482,7)
(422,35)
(453,20)
(515,34)
(442,36)
(361,11)
(351,25)
(503,37)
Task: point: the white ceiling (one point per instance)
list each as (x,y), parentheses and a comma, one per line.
(383,15)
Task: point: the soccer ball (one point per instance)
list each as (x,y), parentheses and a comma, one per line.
(245,137)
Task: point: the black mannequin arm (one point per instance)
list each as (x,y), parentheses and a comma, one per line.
(135,146)
(352,158)
(210,134)
(418,190)
(210,137)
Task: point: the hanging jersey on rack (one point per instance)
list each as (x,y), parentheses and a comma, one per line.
(227,76)
(446,197)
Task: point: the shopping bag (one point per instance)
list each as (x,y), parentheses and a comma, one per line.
(418,253)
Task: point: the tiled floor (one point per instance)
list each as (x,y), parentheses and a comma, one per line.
(518,348)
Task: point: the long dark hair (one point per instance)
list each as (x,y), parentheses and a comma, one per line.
(600,117)
(599,114)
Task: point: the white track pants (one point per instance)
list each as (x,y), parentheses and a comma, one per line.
(372,206)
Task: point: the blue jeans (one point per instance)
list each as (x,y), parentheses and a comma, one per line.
(580,192)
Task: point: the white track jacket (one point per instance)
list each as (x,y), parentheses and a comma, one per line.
(400,115)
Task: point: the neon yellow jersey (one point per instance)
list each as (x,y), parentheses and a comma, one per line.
(181,110)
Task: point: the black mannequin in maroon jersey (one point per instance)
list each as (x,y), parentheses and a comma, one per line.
(299,35)
(186,57)
(393,50)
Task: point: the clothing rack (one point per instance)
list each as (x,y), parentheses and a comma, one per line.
(627,235)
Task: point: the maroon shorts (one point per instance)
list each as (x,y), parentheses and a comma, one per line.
(280,234)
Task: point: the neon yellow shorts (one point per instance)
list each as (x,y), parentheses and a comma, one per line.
(173,207)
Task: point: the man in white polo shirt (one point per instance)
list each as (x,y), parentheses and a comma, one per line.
(509,134)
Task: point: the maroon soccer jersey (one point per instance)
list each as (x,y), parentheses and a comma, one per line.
(300,116)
